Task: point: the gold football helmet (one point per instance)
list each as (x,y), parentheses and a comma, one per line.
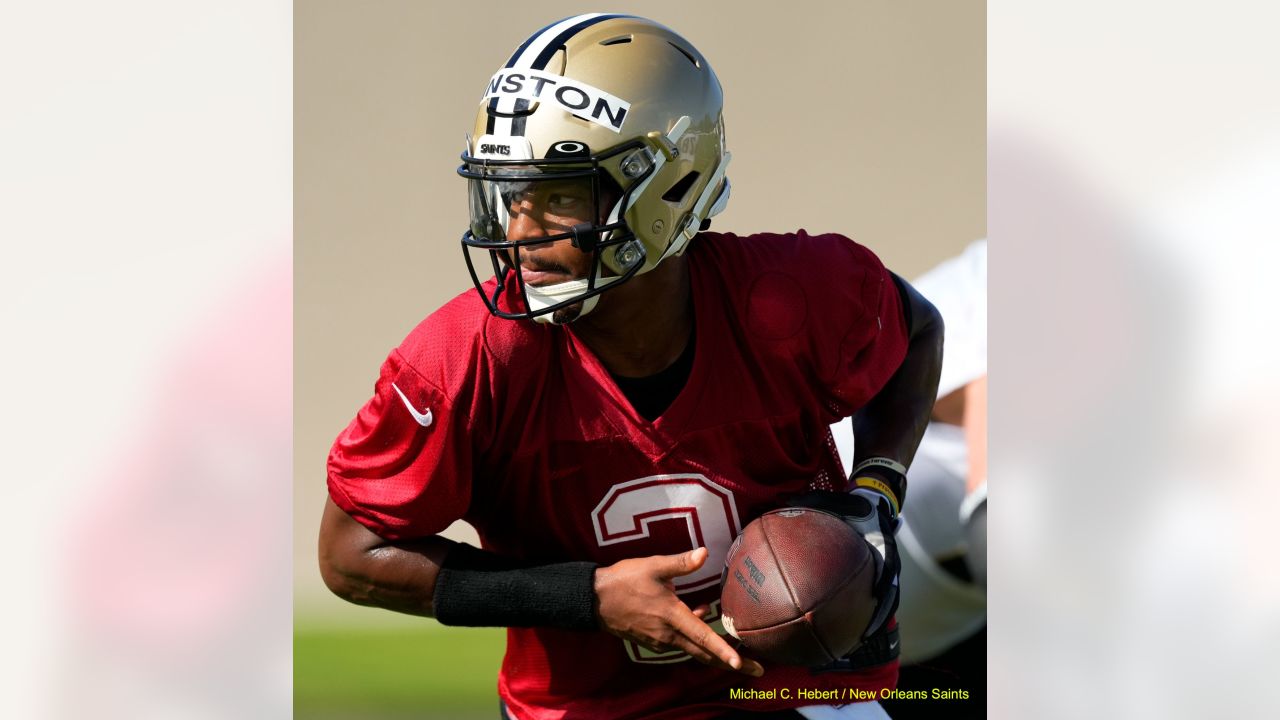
(618,106)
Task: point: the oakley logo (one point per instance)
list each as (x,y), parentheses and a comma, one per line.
(584,101)
(491,149)
(568,149)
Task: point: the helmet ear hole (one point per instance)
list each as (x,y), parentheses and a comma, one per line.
(680,190)
(610,191)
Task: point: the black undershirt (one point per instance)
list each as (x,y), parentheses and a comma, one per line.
(652,395)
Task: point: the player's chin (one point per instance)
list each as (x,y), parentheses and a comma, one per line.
(566,315)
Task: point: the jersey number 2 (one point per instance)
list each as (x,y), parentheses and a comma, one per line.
(709,512)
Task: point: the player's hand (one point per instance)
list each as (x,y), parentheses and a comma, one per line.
(871,514)
(637,601)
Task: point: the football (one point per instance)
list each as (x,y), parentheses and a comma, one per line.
(797,587)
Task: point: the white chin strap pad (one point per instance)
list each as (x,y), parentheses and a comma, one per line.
(541,298)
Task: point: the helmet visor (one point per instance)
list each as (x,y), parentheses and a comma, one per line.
(545,226)
(526,206)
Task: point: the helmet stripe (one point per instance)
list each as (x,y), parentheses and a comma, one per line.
(549,50)
(540,38)
(511,61)
(534,54)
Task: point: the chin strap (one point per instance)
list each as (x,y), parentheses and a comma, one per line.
(541,298)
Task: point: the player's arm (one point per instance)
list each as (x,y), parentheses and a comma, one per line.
(453,582)
(462,585)
(975,432)
(361,567)
(886,433)
(973,511)
(887,430)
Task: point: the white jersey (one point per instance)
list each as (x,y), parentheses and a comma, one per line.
(958,288)
(936,610)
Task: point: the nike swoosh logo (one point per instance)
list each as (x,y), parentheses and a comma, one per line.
(893,644)
(424,418)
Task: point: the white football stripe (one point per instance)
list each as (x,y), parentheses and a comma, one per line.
(502,125)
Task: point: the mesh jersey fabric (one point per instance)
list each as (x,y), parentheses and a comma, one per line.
(532,442)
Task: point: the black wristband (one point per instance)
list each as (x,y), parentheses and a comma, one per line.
(480,589)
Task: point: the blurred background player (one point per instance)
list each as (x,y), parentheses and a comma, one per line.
(665,393)
(942,542)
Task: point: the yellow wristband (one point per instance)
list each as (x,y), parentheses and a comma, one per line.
(878,485)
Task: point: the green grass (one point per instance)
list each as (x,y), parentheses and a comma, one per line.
(397,673)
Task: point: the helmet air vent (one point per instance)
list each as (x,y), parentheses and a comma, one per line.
(678,191)
(621,39)
(686,53)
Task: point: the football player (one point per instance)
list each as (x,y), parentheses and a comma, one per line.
(621,394)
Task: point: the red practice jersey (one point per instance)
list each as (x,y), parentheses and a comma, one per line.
(517,428)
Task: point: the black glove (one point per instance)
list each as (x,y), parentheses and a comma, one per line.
(871,514)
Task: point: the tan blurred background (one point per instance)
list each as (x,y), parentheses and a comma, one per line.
(866,118)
